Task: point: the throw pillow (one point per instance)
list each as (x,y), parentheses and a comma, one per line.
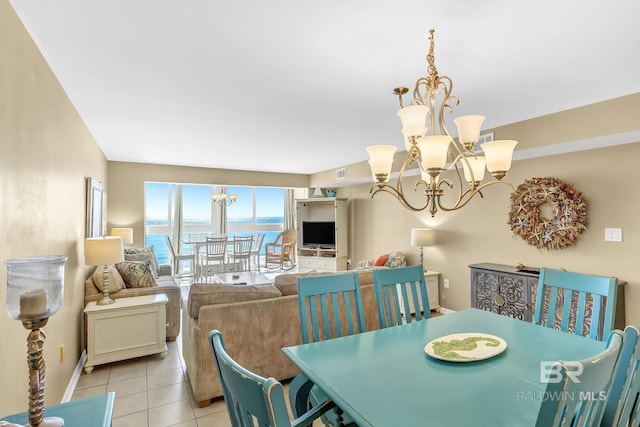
(144,256)
(148,250)
(381,260)
(396,259)
(137,274)
(115,280)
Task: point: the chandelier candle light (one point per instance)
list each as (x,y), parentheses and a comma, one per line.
(223,200)
(103,251)
(35,291)
(431,151)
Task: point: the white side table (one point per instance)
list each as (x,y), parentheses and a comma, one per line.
(130,327)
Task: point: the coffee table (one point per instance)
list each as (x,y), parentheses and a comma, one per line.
(242,278)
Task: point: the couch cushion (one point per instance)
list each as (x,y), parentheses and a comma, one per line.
(381,260)
(201,294)
(137,274)
(146,257)
(115,279)
(131,253)
(396,259)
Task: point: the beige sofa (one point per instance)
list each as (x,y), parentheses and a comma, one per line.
(256,323)
(166,284)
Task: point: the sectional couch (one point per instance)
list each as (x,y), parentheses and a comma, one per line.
(255,321)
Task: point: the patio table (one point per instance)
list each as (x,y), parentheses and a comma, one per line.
(384,377)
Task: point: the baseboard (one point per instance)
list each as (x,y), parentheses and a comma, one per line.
(74,378)
(445,310)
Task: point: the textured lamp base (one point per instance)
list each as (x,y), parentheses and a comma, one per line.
(49,422)
(105,300)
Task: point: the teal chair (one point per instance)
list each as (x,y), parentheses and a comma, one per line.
(565,294)
(623,404)
(580,404)
(330,307)
(399,293)
(251,399)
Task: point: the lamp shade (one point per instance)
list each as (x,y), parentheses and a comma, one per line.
(422,237)
(469,128)
(103,250)
(499,154)
(413,120)
(125,233)
(381,159)
(433,151)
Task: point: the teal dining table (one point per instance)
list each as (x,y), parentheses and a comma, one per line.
(384,378)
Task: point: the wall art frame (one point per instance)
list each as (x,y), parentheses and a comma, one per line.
(96,222)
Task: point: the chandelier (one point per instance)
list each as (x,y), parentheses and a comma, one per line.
(224,200)
(431,151)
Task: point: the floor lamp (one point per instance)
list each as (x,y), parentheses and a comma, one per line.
(422,237)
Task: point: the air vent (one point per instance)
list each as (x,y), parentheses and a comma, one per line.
(485,138)
(341,173)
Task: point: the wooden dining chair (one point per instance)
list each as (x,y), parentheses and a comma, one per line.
(623,401)
(578,398)
(575,302)
(176,258)
(330,306)
(400,292)
(240,257)
(215,252)
(255,250)
(254,400)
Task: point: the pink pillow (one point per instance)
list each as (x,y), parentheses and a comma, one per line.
(380,261)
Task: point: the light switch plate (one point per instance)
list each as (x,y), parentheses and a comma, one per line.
(613,234)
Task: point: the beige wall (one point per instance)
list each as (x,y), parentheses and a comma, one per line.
(46,152)
(608,178)
(125,207)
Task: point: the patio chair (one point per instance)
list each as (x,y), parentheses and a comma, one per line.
(280,250)
(623,401)
(176,258)
(330,306)
(399,293)
(580,403)
(252,399)
(579,303)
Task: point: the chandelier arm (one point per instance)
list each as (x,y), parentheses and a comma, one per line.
(469,194)
(386,188)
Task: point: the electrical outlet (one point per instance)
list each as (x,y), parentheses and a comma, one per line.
(348,261)
(446,283)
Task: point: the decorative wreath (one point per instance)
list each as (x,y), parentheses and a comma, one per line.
(568,210)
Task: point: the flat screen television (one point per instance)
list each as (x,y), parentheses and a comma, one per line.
(319,234)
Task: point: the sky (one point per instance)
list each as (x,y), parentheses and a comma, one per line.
(197,201)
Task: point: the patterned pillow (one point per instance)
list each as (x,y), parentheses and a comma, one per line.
(149,251)
(396,259)
(115,279)
(146,257)
(137,274)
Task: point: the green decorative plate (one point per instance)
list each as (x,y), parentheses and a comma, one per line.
(465,347)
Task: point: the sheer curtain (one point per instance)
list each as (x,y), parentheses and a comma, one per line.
(290,215)
(177,220)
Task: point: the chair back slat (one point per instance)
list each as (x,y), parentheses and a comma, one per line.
(581,404)
(339,311)
(393,288)
(587,302)
(623,403)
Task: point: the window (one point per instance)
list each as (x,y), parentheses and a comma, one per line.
(258,209)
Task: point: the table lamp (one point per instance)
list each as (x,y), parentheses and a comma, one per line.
(125,233)
(35,291)
(422,237)
(103,251)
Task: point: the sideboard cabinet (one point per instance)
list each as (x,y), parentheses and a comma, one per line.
(509,291)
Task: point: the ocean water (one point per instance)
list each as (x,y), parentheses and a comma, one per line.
(162,251)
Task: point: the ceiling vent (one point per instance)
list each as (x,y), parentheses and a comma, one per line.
(341,174)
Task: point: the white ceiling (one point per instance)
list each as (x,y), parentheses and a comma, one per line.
(303,86)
